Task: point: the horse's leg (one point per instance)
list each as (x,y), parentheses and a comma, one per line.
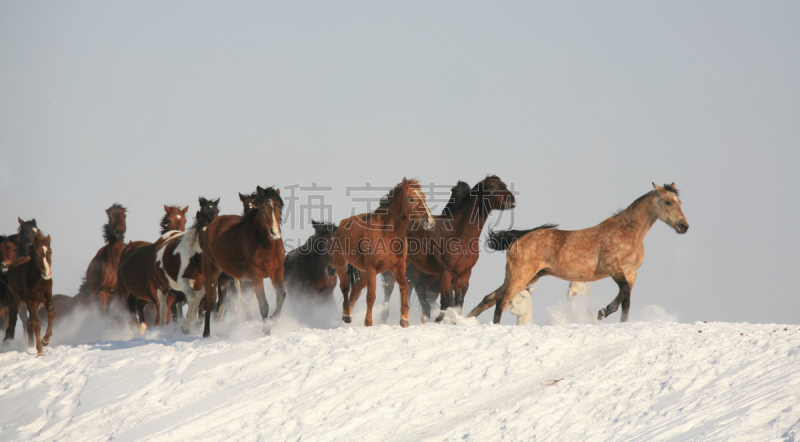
(400,275)
(355,293)
(372,282)
(630,276)
(447,295)
(624,293)
(340,265)
(424,300)
(211,275)
(51,317)
(263,307)
(280,291)
(239,308)
(34,328)
(13,311)
(516,285)
(388,288)
(460,287)
(163,311)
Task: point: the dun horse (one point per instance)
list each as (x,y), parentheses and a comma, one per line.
(31,282)
(613,248)
(375,243)
(177,263)
(308,269)
(450,251)
(101,276)
(136,273)
(247,248)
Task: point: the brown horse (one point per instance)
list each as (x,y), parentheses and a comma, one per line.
(450,251)
(375,243)
(177,263)
(101,276)
(8,253)
(25,233)
(613,248)
(31,282)
(136,272)
(247,248)
(308,269)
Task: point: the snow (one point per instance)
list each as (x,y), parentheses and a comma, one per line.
(467,381)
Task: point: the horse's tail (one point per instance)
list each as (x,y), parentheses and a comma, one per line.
(353,274)
(502,239)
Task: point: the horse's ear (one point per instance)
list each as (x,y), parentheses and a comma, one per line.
(259,190)
(20,221)
(242,198)
(405,182)
(47,240)
(184,210)
(216,202)
(34,219)
(166,208)
(278,191)
(202,201)
(658,188)
(673,185)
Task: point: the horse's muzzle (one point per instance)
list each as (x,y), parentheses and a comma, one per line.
(330,271)
(510,204)
(120,235)
(4,268)
(274,234)
(682,228)
(428,224)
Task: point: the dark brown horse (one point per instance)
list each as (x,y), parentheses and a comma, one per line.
(449,252)
(24,236)
(375,243)
(178,263)
(31,282)
(8,253)
(614,248)
(136,272)
(308,269)
(101,276)
(248,248)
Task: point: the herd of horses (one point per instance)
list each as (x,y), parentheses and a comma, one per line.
(401,240)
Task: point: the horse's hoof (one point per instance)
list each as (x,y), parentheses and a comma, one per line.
(440,318)
(206,334)
(184,330)
(403,322)
(45,342)
(425,319)
(142,328)
(601,314)
(347,319)
(39,354)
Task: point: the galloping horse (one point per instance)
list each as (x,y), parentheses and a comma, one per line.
(376,242)
(31,282)
(308,269)
(136,272)
(450,251)
(101,276)
(248,248)
(8,253)
(177,263)
(613,248)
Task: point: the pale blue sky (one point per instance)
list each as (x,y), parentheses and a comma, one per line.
(581,105)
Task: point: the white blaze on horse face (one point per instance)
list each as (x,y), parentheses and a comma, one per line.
(47,274)
(275,229)
(429,217)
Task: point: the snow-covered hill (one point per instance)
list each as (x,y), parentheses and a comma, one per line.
(635,381)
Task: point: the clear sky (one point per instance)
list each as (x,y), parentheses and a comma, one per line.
(579,105)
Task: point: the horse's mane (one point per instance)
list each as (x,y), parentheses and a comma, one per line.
(637,201)
(389,198)
(459,198)
(108,235)
(165,223)
(502,239)
(268,193)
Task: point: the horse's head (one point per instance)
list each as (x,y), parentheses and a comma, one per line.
(174,219)
(520,304)
(412,201)
(268,204)
(323,229)
(115,228)
(323,234)
(41,255)
(494,193)
(8,253)
(668,207)
(27,230)
(248,202)
(209,209)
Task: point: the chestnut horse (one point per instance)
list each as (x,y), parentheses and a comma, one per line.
(375,243)
(308,269)
(613,248)
(136,272)
(31,282)
(101,276)
(8,253)
(177,263)
(450,251)
(247,248)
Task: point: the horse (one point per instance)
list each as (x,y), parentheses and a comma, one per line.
(31,282)
(101,275)
(614,248)
(25,233)
(308,269)
(136,272)
(247,248)
(177,262)
(521,306)
(375,243)
(8,253)
(450,250)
